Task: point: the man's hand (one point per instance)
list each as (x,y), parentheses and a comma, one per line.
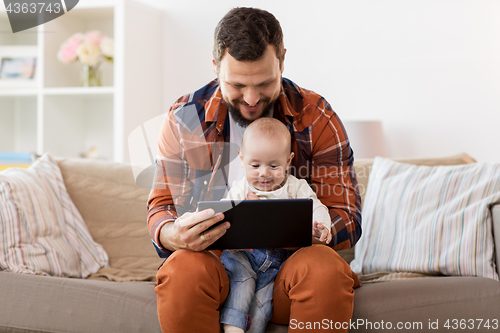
(189,231)
(321,233)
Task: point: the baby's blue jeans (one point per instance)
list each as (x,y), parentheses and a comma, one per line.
(251,275)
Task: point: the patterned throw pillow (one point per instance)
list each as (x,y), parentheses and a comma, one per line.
(41,231)
(432,220)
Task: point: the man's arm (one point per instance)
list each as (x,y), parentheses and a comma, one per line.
(333,178)
(161,208)
(171,190)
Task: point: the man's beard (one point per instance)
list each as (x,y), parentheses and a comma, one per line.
(242,121)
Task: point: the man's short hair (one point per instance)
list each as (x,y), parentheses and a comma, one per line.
(245,33)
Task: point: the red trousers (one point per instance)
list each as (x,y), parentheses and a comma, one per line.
(314,289)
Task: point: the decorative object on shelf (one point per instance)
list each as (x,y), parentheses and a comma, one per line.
(91,153)
(91,49)
(18,66)
(91,76)
(367,138)
(16,159)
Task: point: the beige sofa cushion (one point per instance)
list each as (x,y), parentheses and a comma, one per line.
(114,209)
(54,305)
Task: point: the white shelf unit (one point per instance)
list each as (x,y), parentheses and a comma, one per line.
(60,116)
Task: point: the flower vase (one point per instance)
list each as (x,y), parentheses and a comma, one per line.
(91,76)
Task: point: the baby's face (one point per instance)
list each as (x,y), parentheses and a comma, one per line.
(265,161)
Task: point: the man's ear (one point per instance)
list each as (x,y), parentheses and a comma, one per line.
(282,67)
(214,64)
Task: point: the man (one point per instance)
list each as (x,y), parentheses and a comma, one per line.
(314,284)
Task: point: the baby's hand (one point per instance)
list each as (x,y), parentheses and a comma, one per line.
(321,232)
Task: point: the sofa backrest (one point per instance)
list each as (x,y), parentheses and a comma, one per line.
(115,211)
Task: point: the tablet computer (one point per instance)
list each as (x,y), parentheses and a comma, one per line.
(256,224)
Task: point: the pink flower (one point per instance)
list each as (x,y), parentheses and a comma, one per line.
(94,37)
(90,48)
(76,38)
(68,52)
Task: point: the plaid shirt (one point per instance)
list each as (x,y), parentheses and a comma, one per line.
(194,152)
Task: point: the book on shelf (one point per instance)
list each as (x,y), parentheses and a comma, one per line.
(14,159)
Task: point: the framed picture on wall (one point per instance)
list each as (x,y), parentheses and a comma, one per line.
(18,66)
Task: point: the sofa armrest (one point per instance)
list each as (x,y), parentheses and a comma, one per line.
(495,212)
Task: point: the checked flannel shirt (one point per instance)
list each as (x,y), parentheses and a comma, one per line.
(194,152)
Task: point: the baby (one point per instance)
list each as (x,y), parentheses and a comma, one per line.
(265,156)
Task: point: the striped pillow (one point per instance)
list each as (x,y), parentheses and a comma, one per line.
(41,231)
(432,220)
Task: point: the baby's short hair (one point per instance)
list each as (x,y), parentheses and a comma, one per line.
(270,128)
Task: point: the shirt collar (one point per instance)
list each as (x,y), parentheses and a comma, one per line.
(216,110)
(213,104)
(286,105)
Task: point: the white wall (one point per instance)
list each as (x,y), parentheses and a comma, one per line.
(429,69)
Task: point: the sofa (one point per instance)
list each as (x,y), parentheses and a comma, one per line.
(121,297)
